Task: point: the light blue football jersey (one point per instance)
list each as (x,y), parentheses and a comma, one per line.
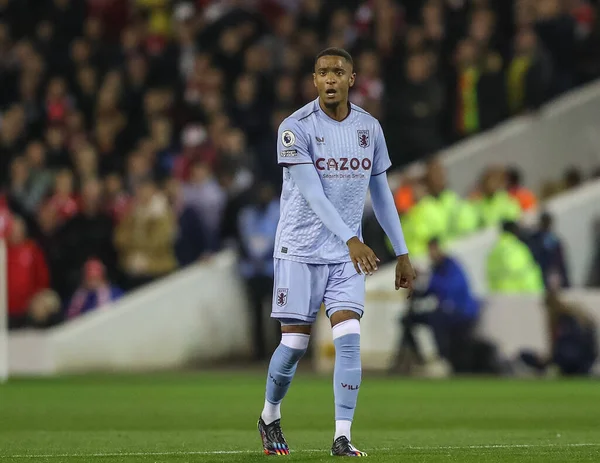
(345,154)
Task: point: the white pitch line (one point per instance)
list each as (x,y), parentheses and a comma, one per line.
(249,452)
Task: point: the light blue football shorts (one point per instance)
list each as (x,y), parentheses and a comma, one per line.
(299,290)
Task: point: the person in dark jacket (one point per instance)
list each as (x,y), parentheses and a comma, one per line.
(257,225)
(457,312)
(573,338)
(414,113)
(548,251)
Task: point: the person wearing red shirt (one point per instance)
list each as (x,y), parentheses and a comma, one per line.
(63,200)
(27,273)
(5,217)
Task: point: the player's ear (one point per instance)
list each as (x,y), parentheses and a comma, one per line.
(315,78)
(352,79)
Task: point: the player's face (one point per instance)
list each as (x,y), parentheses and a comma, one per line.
(333,78)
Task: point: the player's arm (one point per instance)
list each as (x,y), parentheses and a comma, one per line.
(307,180)
(293,153)
(386,213)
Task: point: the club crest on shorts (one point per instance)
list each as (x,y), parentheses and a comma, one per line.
(281,297)
(363,138)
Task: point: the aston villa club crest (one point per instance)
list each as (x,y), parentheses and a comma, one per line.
(281,298)
(363,138)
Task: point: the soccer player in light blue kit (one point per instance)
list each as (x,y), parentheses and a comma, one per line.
(331,152)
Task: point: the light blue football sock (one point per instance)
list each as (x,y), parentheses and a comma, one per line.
(346,377)
(281,372)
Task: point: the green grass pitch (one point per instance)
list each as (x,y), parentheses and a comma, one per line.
(189,417)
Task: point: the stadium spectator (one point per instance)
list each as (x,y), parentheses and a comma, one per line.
(62,202)
(145,237)
(460,217)
(414,112)
(204,194)
(529,73)
(573,340)
(456,313)
(95,291)
(257,225)
(423,222)
(5,217)
(40,177)
(493,203)
(516,189)
(548,251)
(87,234)
(27,273)
(511,268)
(557,31)
(44,310)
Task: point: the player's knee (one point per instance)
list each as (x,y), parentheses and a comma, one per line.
(342,316)
(298,329)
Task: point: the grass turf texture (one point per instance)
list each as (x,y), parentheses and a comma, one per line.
(212,418)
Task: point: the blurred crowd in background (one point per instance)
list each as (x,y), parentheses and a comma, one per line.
(138,136)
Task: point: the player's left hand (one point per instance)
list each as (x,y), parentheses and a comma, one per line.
(405,274)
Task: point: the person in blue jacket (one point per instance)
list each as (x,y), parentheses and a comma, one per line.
(457,311)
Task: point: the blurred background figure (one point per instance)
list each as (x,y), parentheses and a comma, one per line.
(145,237)
(511,267)
(455,315)
(257,225)
(548,251)
(493,202)
(517,190)
(95,291)
(27,273)
(573,343)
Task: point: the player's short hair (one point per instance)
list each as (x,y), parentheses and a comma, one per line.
(334,51)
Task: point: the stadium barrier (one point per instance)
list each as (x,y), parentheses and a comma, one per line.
(561,134)
(196,315)
(575,214)
(512,322)
(200,313)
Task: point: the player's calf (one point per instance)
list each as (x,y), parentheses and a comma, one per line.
(281,372)
(347,379)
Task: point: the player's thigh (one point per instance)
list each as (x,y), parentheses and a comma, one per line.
(297,293)
(344,294)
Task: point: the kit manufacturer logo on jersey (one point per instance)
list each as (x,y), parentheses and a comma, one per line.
(288,138)
(363,138)
(320,140)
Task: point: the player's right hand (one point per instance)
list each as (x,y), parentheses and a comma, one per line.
(363,257)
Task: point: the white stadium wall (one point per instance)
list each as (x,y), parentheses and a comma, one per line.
(196,315)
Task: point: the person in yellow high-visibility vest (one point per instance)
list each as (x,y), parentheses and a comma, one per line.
(495,204)
(511,267)
(423,222)
(459,216)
